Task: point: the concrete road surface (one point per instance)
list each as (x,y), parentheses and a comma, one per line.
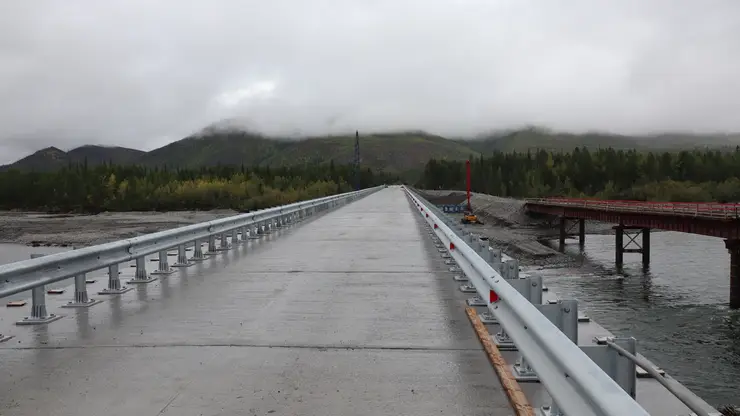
(350,313)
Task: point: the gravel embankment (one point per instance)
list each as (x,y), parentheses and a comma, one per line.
(509,228)
(34,228)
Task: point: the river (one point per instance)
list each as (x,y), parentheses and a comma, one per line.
(677,309)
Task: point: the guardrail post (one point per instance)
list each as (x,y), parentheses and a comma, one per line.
(39,315)
(620,368)
(182,257)
(496,259)
(564,315)
(484,250)
(141,274)
(81,299)
(530,287)
(224,242)
(164,266)
(510,269)
(114,282)
(197,251)
(211,245)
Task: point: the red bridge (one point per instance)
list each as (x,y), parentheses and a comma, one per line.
(636,218)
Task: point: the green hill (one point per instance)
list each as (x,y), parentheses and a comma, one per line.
(52,158)
(399,152)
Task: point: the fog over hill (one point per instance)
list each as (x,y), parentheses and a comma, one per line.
(142,74)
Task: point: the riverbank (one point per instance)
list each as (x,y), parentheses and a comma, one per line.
(40,229)
(508,228)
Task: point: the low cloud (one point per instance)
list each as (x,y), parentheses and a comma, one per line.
(141,74)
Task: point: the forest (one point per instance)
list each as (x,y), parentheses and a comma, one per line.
(691,176)
(106,187)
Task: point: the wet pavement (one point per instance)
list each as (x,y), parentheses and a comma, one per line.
(349,313)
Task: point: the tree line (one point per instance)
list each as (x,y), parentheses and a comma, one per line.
(107,187)
(691,175)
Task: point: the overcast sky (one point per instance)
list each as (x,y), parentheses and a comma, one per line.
(142,73)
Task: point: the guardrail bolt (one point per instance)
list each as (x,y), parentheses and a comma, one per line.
(114,282)
(141,274)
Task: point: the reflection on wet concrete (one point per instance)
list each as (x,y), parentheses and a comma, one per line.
(307,320)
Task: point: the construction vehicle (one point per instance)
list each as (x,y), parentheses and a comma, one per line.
(468,216)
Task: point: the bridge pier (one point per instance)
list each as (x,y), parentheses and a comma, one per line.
(733,246)
(632,246)
(566,230)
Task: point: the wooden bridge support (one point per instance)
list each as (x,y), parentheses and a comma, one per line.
(733,246)
(567,226)
(632,245)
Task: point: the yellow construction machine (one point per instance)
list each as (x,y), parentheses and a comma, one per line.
(470,218)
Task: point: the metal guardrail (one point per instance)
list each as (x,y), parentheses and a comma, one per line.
(36,273)
(687,209)
(576,383)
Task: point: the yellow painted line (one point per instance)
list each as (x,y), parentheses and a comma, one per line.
(516,397)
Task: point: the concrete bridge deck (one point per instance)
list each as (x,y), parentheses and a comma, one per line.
(350,313)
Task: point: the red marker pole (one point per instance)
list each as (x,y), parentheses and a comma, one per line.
(467,173)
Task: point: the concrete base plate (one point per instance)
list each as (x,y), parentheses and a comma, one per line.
(163,272)
(487,318)
(460,278)
(528,377)
(468,289)
(504,345)
(583,318)
(115,291)
(449,262)
(476,301)
(90,281)
(197,259)
(180,265)
(4,338)
(36,321)
(142,281)
(454,269)
(224,248)
(87,304)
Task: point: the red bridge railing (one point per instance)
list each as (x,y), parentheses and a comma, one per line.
(693,209)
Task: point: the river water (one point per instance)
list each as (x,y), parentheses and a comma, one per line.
(677,309)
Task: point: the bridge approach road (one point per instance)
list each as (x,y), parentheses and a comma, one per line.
(349,313)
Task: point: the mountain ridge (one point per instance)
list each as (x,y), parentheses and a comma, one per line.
(395,152)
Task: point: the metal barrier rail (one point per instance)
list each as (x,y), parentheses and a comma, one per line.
(36,273)
(690,209)
(577,384)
